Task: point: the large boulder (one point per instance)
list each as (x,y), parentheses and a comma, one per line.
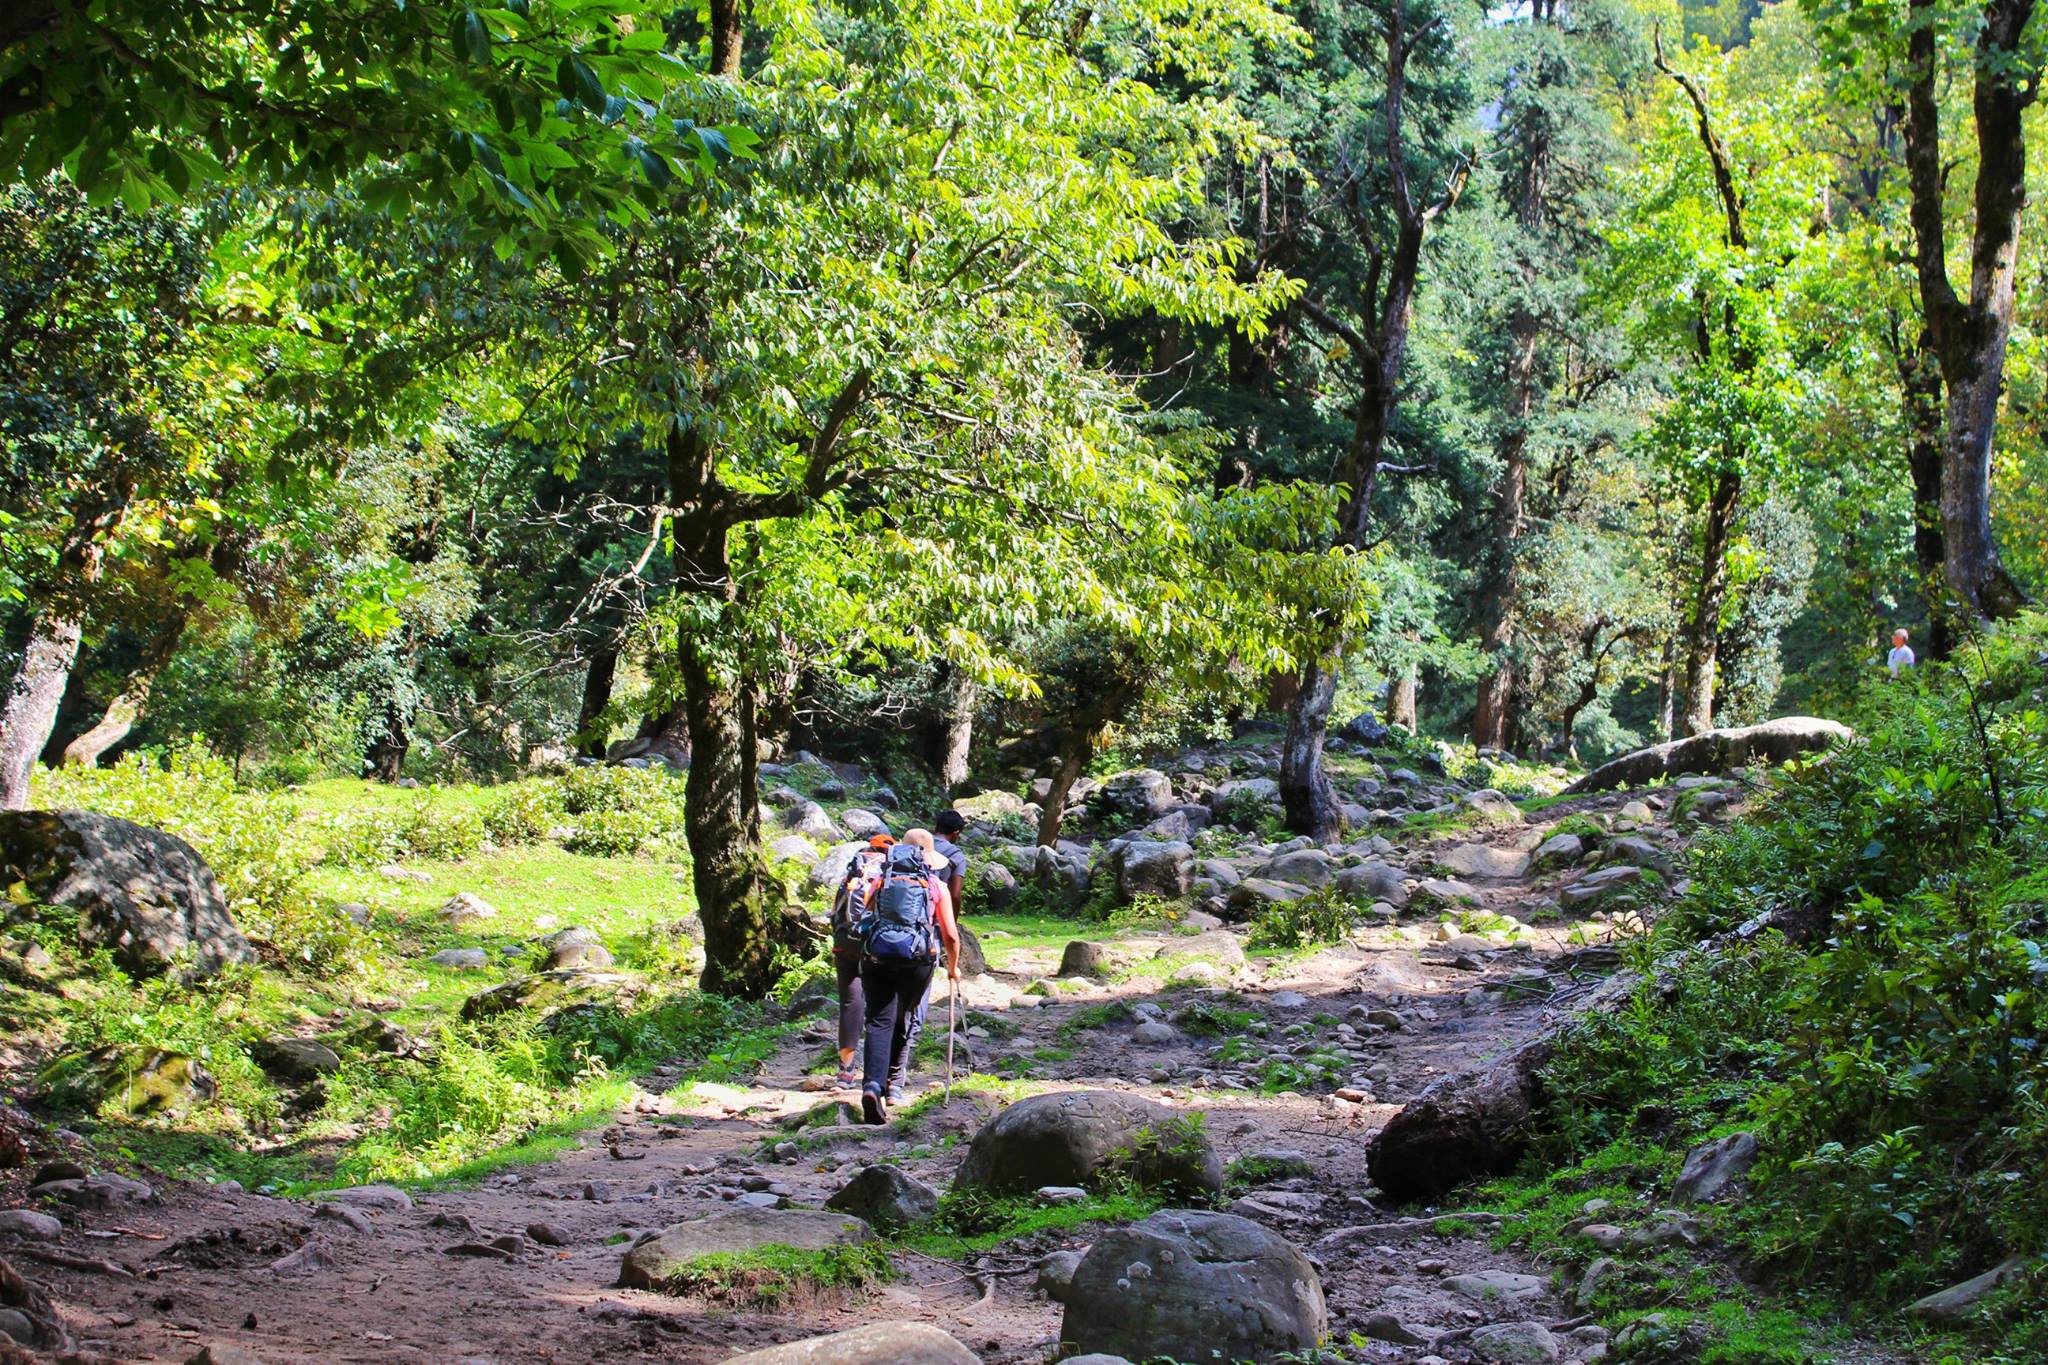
(811,820)
(1083,958)
(1144,793)
(575,948)
(826,872)
(973,961)
(862,824)
(1492,808)
(878,1343)
(1212,945)
(141,1081)
(1077,1137)
(554,992)
(1374,881)
(1192,1286)
(990,807)
(1234,798)
(1367,729)
(1482,862)
(1475,1122)
(1308,867)
(655,1262)
(1713,1166)
(143,894)
(1255,894)
(886,1197)
(1146,867)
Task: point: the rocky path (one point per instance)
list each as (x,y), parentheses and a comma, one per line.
(527,1267)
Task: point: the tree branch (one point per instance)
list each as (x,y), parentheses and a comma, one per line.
(822,471)
(1717,151)
(1338,328)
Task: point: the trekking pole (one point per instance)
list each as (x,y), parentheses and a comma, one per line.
(952,1001)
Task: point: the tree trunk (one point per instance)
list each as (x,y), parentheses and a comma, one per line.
(1970,335)
(1380,345)
(1525,329)
(32,702)
(743,920)
(953,734)
(728,32)
(1920,393)
(37,691)
(1667,689)
(1305,791)
(384,758)
(1403,697)
(124,710)
(1075,746)
(1716,751)
(1703,643)
(597,694)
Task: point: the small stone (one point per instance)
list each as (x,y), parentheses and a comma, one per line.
(28,1223)
(1062,1194)
(1515,1343)
(307,1260)
(355,1220)
(1056,1272)
(1386,1327)
(1600,1273)
(1153,1033)
(1495,1284)
(460,959)
(547,1234)
(466,907)
(386,1198)
(57,1170)
(1957,1300)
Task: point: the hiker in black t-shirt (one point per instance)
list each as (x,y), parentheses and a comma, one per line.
(946,832)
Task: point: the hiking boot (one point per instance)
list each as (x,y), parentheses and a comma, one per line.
(873,1107)
(848,1078)
(896,1093)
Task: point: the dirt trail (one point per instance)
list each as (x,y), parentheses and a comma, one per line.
(195,1267)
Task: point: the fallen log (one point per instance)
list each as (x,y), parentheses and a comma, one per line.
(1476,1122)
(1716,752)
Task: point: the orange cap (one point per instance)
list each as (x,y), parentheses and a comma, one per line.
(882,841)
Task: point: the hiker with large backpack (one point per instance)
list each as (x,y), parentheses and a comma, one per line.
(954,875)
(906,926)
(857,886)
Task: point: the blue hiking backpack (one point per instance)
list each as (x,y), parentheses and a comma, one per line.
(900,925)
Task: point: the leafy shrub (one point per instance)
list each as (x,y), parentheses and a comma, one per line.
(615,811)
(1322,916)
(1155,1161)
(212,1022)
(1895,1065)
(1246,809)
(523,812)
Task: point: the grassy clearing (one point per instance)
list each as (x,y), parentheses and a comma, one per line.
(420,1094)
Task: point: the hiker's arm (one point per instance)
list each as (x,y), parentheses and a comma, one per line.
(956,886)
(949,932)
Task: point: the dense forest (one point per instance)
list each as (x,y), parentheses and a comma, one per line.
(613,458)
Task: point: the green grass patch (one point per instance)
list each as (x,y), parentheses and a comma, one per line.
(773,1277)
(971,1222)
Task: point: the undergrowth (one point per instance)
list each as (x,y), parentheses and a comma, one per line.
(1877,1023)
